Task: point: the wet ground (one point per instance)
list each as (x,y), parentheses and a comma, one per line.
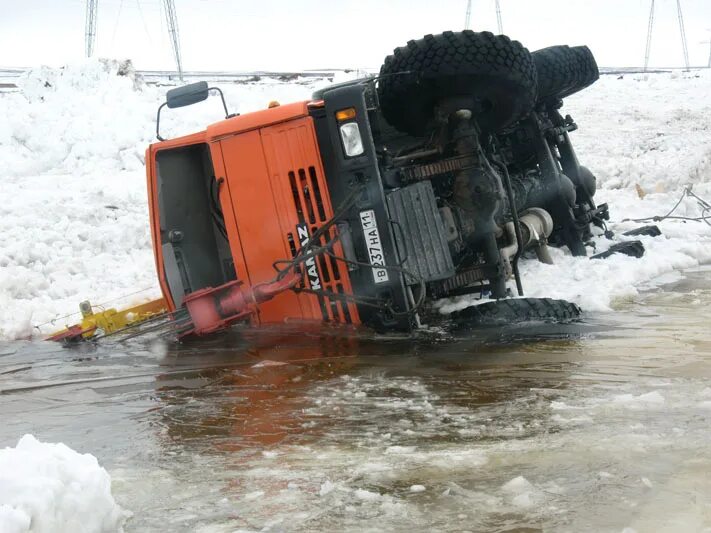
(600,427)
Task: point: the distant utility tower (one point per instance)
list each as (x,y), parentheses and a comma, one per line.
(171,17)
(682,30)
(498,18)
(90,26)
(709,43)
(649,36)
(467,17)
(172,20)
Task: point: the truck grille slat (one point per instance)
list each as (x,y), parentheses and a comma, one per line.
(302,202)
(308,203)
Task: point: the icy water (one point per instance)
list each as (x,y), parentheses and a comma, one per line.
(601,427)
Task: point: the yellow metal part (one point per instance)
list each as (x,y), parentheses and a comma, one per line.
(112,320)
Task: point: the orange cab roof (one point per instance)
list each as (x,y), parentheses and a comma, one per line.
(239,124)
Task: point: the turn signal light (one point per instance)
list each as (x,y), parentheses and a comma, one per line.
(346,114)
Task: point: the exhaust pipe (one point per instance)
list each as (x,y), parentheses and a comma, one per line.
(536,227)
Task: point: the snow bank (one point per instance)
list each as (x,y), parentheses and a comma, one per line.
(651,130)
(86,118)
(74,220)
(51,488)
(73,216)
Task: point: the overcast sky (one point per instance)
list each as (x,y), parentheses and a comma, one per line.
(296,34)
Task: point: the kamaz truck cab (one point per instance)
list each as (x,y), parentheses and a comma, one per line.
(377,197)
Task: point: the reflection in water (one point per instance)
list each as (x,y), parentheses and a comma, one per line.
(261,395)
(258,399)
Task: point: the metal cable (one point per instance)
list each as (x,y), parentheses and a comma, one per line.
(703,204)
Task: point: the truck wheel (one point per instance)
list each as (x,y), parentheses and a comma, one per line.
(515,310)
(493,72)
(563,70)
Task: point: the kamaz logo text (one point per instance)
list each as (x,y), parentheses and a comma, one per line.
(311,269)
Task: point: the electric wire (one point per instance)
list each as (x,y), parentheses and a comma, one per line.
(113,36)
(687,192)
(143,20)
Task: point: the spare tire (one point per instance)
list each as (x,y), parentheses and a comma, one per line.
(586,69)
(492,72)
(515,310)
(563,71)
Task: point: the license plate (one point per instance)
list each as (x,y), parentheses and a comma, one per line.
(374,246)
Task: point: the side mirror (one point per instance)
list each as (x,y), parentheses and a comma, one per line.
(187,95)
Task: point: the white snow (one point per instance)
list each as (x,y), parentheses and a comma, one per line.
(74,220)
(50,488)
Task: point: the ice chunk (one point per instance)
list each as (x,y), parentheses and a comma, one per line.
(250,496)
(326,488)
(517,485)
(46,487)
(366,495)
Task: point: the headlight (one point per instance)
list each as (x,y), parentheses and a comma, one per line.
(352,142)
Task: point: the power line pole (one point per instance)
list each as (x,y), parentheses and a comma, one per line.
(683,34)
(172,20)
(709,43)
(468,15)
(498,18)
(90,26)
(649,36)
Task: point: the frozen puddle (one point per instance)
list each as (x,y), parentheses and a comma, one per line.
(607,431)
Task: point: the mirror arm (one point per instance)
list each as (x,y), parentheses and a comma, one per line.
(158,121)
(224,106)
(222,96)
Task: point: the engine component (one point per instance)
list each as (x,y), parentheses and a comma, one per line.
(536,227)
(419,232)
(438,168)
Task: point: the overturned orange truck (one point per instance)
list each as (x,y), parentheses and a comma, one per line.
(379,196)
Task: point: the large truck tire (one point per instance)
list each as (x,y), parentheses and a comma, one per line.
(564,70)
(514,311)
(494,73)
